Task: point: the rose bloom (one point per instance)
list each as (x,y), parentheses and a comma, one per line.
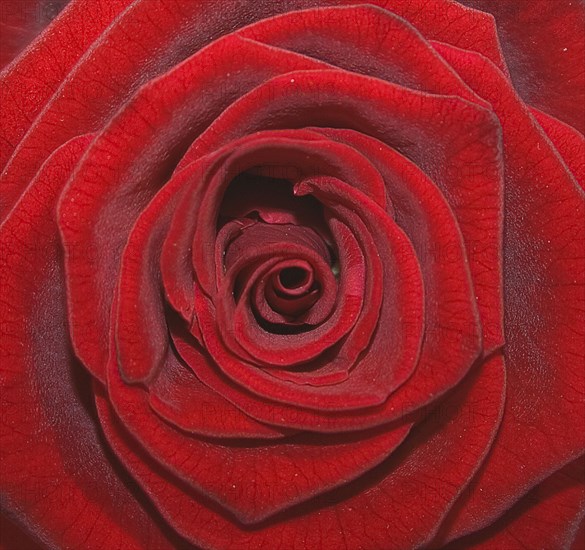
(301,274)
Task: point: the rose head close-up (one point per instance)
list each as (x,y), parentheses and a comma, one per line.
(296,275)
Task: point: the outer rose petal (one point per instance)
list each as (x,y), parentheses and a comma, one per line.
(451,22)
(22,93)
(55,475)
(544,46)
(179,397)
(547,517)
(544,270)
(21,21)
(569,143)
(252,482)
(391,50)
(164,33)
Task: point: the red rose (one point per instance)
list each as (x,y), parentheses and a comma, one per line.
(300,275)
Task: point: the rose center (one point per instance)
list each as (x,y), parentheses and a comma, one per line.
(294,280)
(281,246)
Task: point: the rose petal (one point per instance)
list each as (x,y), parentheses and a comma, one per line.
(141,331)
(429,468)
(569,143)
(20,24)
(392,49)
(287,147)
(394,358)
(547,72)
(98,85)
(22,93)
(543,269)
(547,517)
(433,217)
(54,469)
(178,396)
(250,374)
(246,480)
(284,350)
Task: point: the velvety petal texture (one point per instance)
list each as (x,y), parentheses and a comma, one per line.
(21,22)
(544,46)
(299,275)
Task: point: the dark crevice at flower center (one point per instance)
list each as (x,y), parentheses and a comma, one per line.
(281,328)
(296,295)
(294,278)
(270,200)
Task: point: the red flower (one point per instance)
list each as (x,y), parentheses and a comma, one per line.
(295,275)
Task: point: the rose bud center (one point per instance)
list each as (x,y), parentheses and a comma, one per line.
(282,249)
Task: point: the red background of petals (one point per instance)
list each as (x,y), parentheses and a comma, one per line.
(513,485)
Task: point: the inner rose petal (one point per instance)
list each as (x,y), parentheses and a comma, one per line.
(292,290)
(408,116)
(292,298)
(244,243)
(231,329)
(260,346)
(274,237)
(311,307)
(294,280)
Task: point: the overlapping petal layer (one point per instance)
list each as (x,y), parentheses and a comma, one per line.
(318,263)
